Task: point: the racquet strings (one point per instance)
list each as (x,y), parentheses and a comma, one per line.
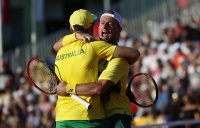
(144,90)
(42,75)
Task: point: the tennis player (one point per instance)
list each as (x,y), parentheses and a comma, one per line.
(115,75)
(76,61)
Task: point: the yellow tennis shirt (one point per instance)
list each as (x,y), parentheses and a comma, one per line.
(117,70)
(68,39)
(78,63)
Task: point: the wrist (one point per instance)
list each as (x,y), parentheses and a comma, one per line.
(75,34)
(71,88)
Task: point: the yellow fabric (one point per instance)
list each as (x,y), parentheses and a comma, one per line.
(82,17)
(78,63)
(117,70)
(114,70)
(69,39)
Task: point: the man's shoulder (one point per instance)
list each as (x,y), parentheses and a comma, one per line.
(98,42)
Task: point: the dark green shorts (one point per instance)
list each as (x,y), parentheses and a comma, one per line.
(119,121)
(82,124)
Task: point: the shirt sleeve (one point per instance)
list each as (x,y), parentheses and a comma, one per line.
(115,70)
(103,50)
(69,39)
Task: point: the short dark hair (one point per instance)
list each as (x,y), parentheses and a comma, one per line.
(78,28)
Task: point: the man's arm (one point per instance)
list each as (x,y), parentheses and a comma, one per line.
(114,71)
(71,38)
(108,51)
(64,41)
(96,88)
(86,89)
(130,54)
(58,45)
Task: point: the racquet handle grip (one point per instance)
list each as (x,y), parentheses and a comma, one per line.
(80,100)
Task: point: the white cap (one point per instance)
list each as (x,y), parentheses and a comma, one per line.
(115,15)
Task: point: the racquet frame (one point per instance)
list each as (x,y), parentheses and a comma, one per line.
(130,93)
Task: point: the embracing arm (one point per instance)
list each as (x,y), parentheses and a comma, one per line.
(130,54)
(115,70)
(96,88)
(71,38)
(109,79)
(58,45)
(86,89)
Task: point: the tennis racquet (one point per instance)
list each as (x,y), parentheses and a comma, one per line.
(43,77)
(142,90)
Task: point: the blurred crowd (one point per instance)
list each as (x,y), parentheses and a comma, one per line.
(21,105)
(173,60)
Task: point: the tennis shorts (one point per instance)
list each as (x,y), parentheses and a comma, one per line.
(100,123)
(119,121)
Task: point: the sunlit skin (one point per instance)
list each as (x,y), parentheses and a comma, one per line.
(109,29)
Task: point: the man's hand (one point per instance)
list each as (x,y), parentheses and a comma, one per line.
(61,89)
(58,45)
(84,37)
